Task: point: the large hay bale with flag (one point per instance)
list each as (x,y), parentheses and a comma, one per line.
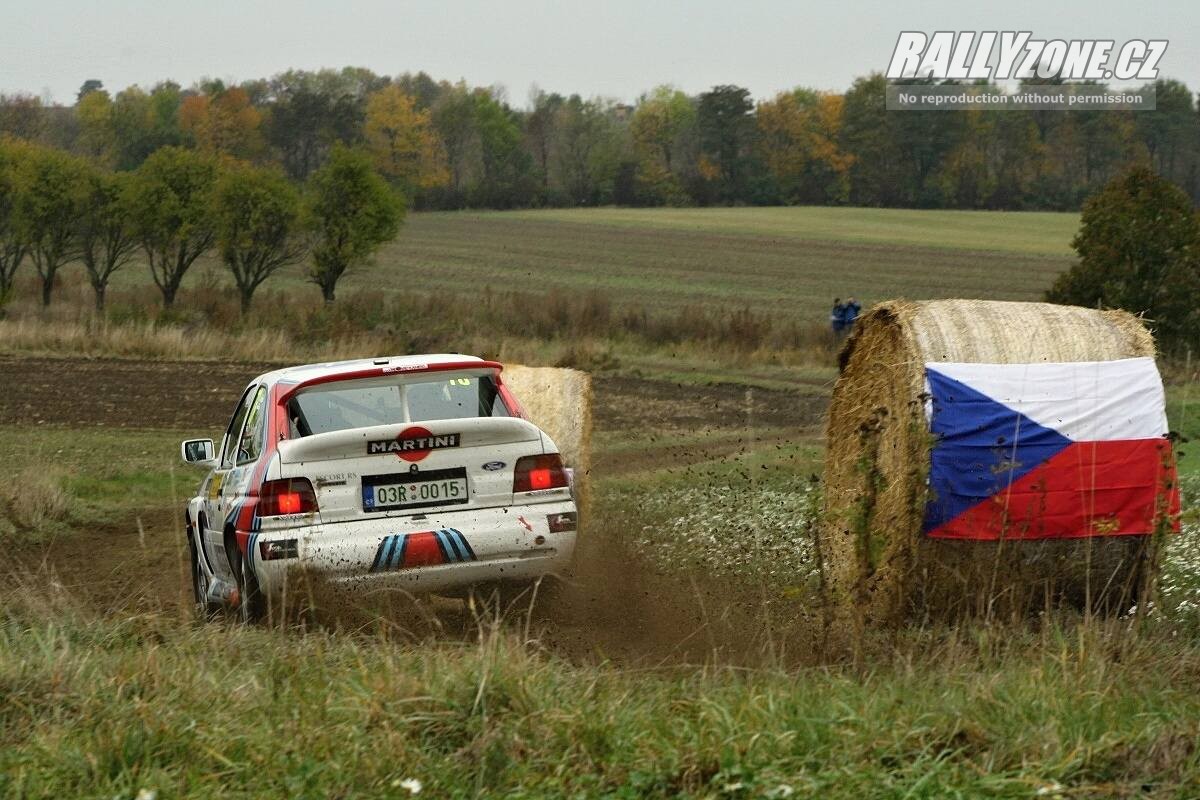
(559,401)
(994,457)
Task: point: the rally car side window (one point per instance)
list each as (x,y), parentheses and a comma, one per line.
(251,441)
(233,434)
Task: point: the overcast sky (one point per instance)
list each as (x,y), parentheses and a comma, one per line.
(613,48)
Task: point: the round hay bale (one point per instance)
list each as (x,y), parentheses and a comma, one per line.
(877,561)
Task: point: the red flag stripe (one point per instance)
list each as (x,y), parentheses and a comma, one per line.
(1108,488)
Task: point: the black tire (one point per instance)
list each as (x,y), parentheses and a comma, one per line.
(252,603)
(205,609)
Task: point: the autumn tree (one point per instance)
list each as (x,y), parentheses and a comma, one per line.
(49,205)
(107,240)
(799,137)
(171,209)
(1139,249)
(258,226)
(403,142)
(222,121)
(352,211)
(661,121)
(662,124)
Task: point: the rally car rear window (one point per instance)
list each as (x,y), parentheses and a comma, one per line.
(384,401)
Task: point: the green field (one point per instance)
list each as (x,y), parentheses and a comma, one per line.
(793,260)
(1034,233)
(785,260)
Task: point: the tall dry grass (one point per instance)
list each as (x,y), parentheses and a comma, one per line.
(581,329)
(92,337)
(146,706)
(34,496)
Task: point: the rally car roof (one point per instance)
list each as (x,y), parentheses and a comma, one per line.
(307,373)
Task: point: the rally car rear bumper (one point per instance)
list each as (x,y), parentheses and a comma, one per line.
(444,552)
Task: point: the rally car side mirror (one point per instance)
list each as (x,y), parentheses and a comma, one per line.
(200,452)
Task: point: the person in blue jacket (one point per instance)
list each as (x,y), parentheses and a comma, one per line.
(850,314)
(837,317)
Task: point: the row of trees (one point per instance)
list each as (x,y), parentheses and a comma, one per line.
(447,145)
(57,208)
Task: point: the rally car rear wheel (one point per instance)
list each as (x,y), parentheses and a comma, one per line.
(252,602)
(201,602)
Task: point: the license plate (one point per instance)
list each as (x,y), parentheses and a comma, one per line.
(440,487)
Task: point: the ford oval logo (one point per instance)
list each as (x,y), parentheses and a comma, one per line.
(493,466)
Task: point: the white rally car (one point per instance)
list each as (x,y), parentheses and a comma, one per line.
(417,472)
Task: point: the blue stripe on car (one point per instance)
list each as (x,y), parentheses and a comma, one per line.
(451,545)
(383,543)
(447,553)
(251,547)
(393,548)
(463,544)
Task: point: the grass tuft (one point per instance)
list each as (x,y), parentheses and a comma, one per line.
(35,497)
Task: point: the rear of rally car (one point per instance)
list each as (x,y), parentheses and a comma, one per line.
(427,479)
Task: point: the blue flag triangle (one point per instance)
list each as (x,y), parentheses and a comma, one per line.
(981,447)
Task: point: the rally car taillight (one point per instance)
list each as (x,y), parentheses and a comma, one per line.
(287,496)
(533,473)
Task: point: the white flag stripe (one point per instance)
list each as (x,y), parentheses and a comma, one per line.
(1085,401)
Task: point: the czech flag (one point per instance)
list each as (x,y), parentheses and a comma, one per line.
(1042,451)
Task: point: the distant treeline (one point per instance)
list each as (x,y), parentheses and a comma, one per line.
(448,145)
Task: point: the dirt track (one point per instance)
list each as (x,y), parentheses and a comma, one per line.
(141,562)
(120,393)
(188,394)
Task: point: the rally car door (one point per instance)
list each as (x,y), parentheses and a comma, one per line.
(220,496)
